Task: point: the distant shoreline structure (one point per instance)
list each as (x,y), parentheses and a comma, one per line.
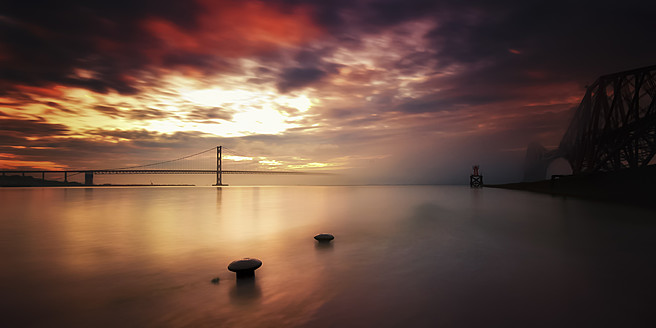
(29,181)
(629,186)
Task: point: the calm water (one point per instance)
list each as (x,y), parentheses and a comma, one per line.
(415,256)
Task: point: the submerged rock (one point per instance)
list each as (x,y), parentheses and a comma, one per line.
(215,280)
(245,267)
(324,237)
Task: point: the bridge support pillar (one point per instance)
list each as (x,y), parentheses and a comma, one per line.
(219,169)
(88,178)
(476,181)
(65,176)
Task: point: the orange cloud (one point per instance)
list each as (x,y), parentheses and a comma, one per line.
(15,164)
(236,29)
(53,92)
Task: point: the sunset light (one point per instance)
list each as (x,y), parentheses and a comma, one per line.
(300,163)
(333,83)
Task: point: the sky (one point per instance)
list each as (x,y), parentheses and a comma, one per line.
(378,91)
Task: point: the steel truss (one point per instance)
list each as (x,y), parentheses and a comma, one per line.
(613,128)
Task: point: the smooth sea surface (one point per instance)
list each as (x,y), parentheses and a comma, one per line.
(403,256)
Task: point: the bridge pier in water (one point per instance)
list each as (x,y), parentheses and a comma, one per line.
(475,179)
(88,178)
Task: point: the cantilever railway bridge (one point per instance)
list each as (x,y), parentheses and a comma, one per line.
(182,165)
(613,128)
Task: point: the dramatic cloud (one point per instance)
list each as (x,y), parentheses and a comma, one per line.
(31,128)
(204,114)
(297,77)
(363,86)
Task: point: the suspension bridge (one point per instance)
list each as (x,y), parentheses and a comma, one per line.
(614,128)
(209,161)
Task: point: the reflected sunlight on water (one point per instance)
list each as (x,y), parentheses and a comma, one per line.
(404,255)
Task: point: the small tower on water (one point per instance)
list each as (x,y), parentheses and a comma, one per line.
(475,179)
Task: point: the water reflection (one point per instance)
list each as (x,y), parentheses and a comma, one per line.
(245,291)
(417,256)
(88,193)
(323,246)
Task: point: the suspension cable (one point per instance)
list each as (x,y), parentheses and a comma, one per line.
(164,162)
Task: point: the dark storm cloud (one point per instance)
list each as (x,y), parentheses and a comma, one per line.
(28,133)
(413,61)
(43,42)
(306,67)
(440,102)
(298,77)
(560,41)
(31,128)
(505,45)
(506,50)
(106,46)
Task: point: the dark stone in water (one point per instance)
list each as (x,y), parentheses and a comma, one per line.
(324,237)
(215,280)
(245,267)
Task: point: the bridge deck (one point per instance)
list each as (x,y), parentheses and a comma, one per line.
(4,172)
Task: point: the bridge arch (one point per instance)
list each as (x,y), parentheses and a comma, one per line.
(538,161)
(559,166)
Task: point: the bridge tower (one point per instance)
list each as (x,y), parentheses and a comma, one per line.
(219,169)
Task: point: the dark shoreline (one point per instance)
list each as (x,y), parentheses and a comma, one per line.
(631,186)
(29,181)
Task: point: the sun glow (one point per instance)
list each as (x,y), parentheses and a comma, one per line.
(218,97)
(266,121)
(237,158)
(302,102)
(312,165)
(253,111)
(270,162)
(177,104)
